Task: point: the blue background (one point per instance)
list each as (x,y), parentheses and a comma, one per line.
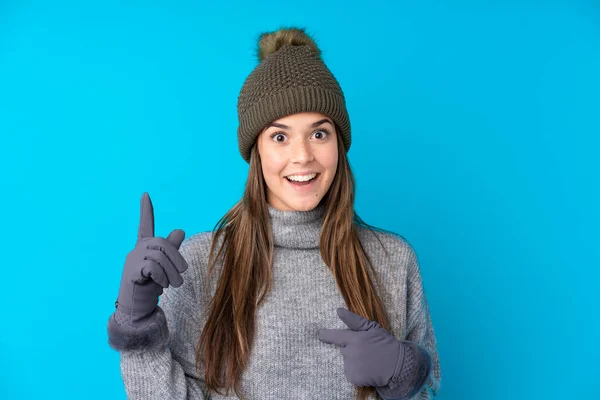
(475,136)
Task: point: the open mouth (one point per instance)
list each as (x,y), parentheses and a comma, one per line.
(303,184)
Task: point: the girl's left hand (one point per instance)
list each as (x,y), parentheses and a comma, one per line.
(372,355)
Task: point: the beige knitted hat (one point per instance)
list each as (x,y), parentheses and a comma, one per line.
(290,78)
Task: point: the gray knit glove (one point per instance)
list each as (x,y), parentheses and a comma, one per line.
(374,357)
(154,263)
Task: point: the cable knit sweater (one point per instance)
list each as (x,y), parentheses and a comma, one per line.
(287,360)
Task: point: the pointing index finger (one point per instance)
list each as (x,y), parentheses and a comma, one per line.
(146,227)
(340,337)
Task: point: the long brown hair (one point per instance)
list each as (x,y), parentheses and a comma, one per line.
(246,277)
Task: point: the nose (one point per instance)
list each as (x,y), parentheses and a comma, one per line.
(301,152)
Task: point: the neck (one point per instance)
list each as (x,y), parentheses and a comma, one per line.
(297,229)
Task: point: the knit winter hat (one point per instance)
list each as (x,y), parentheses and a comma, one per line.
(290,78)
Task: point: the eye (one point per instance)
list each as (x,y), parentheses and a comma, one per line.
(323,134)
(277,134)
(325,131)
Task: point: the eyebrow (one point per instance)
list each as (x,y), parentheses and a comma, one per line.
(314,125)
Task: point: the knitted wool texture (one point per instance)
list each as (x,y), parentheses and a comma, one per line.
(287,361)
(291,80)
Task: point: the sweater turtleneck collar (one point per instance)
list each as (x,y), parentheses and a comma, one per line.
(297,229)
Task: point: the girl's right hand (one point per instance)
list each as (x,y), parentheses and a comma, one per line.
(154,264)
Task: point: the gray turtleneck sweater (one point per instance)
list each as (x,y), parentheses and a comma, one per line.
(287,360)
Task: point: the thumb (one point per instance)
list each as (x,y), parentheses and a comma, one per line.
(176,237)
(355,321)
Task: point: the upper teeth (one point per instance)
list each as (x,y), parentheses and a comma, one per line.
(301,178)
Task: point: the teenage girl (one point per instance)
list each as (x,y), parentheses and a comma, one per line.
(292,295)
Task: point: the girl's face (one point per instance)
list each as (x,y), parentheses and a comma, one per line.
(298,144)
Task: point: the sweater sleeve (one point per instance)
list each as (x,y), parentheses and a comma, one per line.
(421,341)
(166,368)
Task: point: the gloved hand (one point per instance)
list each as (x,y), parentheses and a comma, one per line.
(154,264)
(374,357)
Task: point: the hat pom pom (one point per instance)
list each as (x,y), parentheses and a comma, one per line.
(270,42)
